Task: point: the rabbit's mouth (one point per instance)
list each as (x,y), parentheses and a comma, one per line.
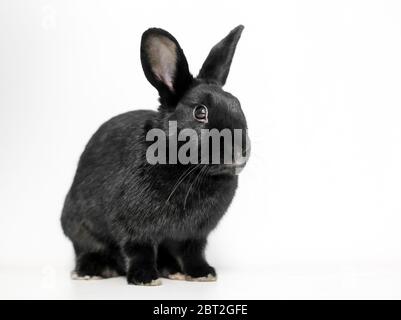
(237,168)
(227,169)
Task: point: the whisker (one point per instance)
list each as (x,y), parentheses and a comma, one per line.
(193,181)
(181,179)
(201,179)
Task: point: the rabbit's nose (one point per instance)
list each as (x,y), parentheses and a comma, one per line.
(242,151)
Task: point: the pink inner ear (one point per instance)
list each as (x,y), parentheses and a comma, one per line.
(163,58)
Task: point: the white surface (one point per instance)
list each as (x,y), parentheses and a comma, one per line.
(273,282)
(318,211)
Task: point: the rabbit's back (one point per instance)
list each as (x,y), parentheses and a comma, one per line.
(111,152)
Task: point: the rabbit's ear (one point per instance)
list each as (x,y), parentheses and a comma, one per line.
(165,65)
(217,65)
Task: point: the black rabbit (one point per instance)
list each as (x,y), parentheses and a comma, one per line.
(126,216)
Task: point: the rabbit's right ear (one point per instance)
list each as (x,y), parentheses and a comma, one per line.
(165,65)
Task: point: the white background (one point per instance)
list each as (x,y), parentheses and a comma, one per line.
(318,210)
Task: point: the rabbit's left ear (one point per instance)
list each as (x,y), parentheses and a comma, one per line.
(165,65)
(217,65)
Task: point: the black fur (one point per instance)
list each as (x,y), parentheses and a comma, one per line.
(125,216)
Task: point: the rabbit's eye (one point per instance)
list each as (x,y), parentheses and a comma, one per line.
(200,113)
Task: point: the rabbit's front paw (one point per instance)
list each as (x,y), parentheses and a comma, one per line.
(203,273)
(143,277)
(176,276)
